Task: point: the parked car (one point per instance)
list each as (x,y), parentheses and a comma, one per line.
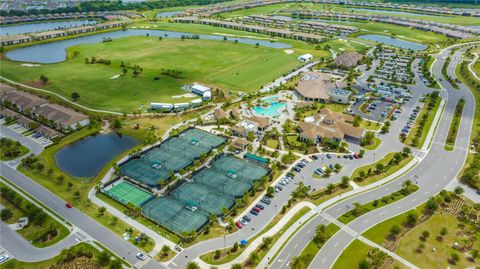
(297,169)
(141,256)
(331,167)
(329,156)
(279,187)
(350,157)
(247,218)
(253,212)
(68,205)
(260,206)
(243,222)
(266,200)
(238,224)
(4,258)
(315,157)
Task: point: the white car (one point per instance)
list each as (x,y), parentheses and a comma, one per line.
(141,256)
(243,222)
(4,258)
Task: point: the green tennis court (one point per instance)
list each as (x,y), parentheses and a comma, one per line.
(173,215)
(126,193)
(172,155)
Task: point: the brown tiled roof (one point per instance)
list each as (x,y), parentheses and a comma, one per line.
(24,120)
(8,113)
(238,129)
(48,33)
(330,124)
(240,143)
(60,115)
(319,87)
(23,99)
(348,59)
(261,121)
(48,132)
(220,114)
(236,113)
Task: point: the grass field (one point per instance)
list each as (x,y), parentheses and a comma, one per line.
(220,64)
(443,249)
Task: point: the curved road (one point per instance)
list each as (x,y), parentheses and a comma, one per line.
(431,174)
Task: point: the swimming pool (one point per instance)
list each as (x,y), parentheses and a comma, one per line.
(272,110)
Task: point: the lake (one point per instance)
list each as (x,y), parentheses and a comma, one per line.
(42,26)
(56,52)
(399,43)
(167,14)
(86,157)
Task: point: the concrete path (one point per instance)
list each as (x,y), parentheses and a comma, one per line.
(470,66)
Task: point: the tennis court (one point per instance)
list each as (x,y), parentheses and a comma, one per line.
(172,155)
(215,179)
(126,193)
(174,216)
(206,199)
(245,170)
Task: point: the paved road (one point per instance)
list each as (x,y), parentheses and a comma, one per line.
(23,250)
(89,226)
(33,146)
(431,173)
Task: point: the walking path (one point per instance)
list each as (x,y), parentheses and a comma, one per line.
(358,236)
(470,66)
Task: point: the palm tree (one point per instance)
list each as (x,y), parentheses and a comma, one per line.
(192,265)
(296,263)
(321,234)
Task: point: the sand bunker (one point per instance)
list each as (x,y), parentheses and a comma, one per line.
(288,51)
(115,77)
(30,65)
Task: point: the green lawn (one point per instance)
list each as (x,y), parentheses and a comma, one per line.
(11,149)
(352,255)
(376,204)
(41,235)
(376,143)
(387,172)
(220,65)
(443,249)
(426,127)
(454,125)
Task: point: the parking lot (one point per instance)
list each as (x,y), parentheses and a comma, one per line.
(36,137)
(378,109)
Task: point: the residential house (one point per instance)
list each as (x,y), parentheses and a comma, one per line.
(348,59)
(47,132)
(22,101)
(61,117)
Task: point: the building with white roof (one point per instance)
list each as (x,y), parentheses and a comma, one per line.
(305,57)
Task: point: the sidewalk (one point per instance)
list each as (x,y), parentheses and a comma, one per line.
(258,241)
(159,240)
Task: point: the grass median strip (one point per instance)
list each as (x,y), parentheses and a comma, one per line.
(421,127)
(360,209)
(388,165)
(313,247)
(229,254)
(454,125)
